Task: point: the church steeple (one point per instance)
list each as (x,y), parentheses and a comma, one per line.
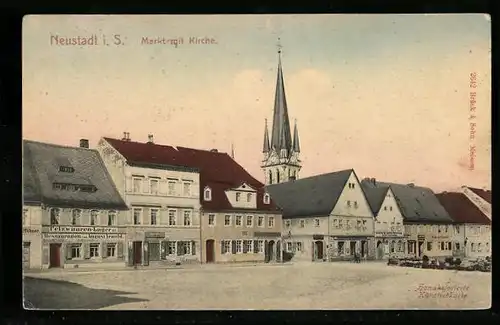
(281,154)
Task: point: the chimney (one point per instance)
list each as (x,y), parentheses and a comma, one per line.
(411,185)
(374,181)
(84,143)
(125,134)
(150,138)
(214,150)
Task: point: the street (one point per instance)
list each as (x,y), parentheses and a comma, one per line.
(289,286)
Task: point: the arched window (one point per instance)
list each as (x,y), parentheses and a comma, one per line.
(266,198)
(54,216)
(75,216)
(111,218)
(207,194)
(238,195)
(270,177)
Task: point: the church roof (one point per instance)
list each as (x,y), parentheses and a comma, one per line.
(80,170)
(217,169)
(281,137)
(416,203)
(461,209)
(296,142)
(314,196)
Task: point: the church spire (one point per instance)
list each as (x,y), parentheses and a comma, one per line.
(281,137)
(266,147)
(296,143)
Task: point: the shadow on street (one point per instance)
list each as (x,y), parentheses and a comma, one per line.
(57,294)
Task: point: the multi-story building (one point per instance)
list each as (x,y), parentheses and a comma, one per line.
(163,225)
(428,227)
(207,207)
(73,216)
(326,217)
(389,231)
(472,227)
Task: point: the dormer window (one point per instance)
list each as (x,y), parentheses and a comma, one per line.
(207,194)
(238,196)
(249,197)
(266,198)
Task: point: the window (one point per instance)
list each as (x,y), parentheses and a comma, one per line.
(355,204)
(153,186)
(260,245)
(302,223)
(479,248)
(137,216)
(248,246)
(154,216)
(289,246)
(239,246)
(238,221)
(348,203)
(172,217)
(267,199)
(316,222)
(335,223)
(288,223)
(225,247)
(249,197)
(184,248)
(341,223)
(187,189)
(171,187)
(487,247)
(457,246)
(171,248)
(443,245)
(111,250)
(187,218)
(472,247)
(348,226)
(211,219)
(298,246)
(385,208)
(227,220)
(260,221)
(340,248)
(270,222)
(207,194)
(54,216)
(25,216)
(429,246)
(390,208)
(93,217)
(249,221)
(238,195)
(111,218)
(137,182)
(76,250)
(358,224)
(94,250)
(449,245)
(75,216)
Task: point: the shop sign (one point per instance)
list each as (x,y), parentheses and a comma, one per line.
(151,234)
(440,237)
(31,231)
(421,237)
(388,234)
(83,229)
(83,236)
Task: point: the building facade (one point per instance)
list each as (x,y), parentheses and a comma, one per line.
(73,216)
(281,161)
(389,230)
(472,225)
(163,223)
(329,215)
(427,225)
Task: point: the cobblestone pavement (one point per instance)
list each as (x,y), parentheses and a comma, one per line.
(295,286)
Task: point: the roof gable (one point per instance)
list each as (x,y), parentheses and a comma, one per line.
(484,194)
(461,209)
(312,196)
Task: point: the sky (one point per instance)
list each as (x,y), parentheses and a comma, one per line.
(387,95)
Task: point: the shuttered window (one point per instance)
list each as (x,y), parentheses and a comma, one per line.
(154,251)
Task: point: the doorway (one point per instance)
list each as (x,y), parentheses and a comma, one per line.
(137,252)
(380,250)
(210,250)
(55,255)
(318,250)
(270,251)
(352,247)
(364,248)
(420,248)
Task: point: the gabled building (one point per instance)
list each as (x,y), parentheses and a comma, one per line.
(326,217)
(472,227)
(281,161)
(233,219)
(73,215)
(481,198)
(389,229)
(427,224)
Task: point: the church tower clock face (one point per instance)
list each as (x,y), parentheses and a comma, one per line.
(281,151)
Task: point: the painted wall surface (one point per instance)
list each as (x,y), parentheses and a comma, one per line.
(478,240)
(243,197)
(435,240)
(305,226)
(352,201)
(32,237)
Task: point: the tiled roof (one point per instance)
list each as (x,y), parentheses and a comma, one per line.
(217,170)
(41,164)
(309,197)
(461,209)
(375,196)
(416,203)
(485,195)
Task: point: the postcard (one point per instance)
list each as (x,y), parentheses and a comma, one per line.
(257,162)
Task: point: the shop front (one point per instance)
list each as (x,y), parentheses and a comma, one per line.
(32,248)
(389,244)
(344,247)
(162,246)
(82,246)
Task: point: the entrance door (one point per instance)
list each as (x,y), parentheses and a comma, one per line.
(318,250)
(26,255)
(210,250)
(380,250)
(271,250)
(364,248)
(420,248)
(137,253)
(55,255)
